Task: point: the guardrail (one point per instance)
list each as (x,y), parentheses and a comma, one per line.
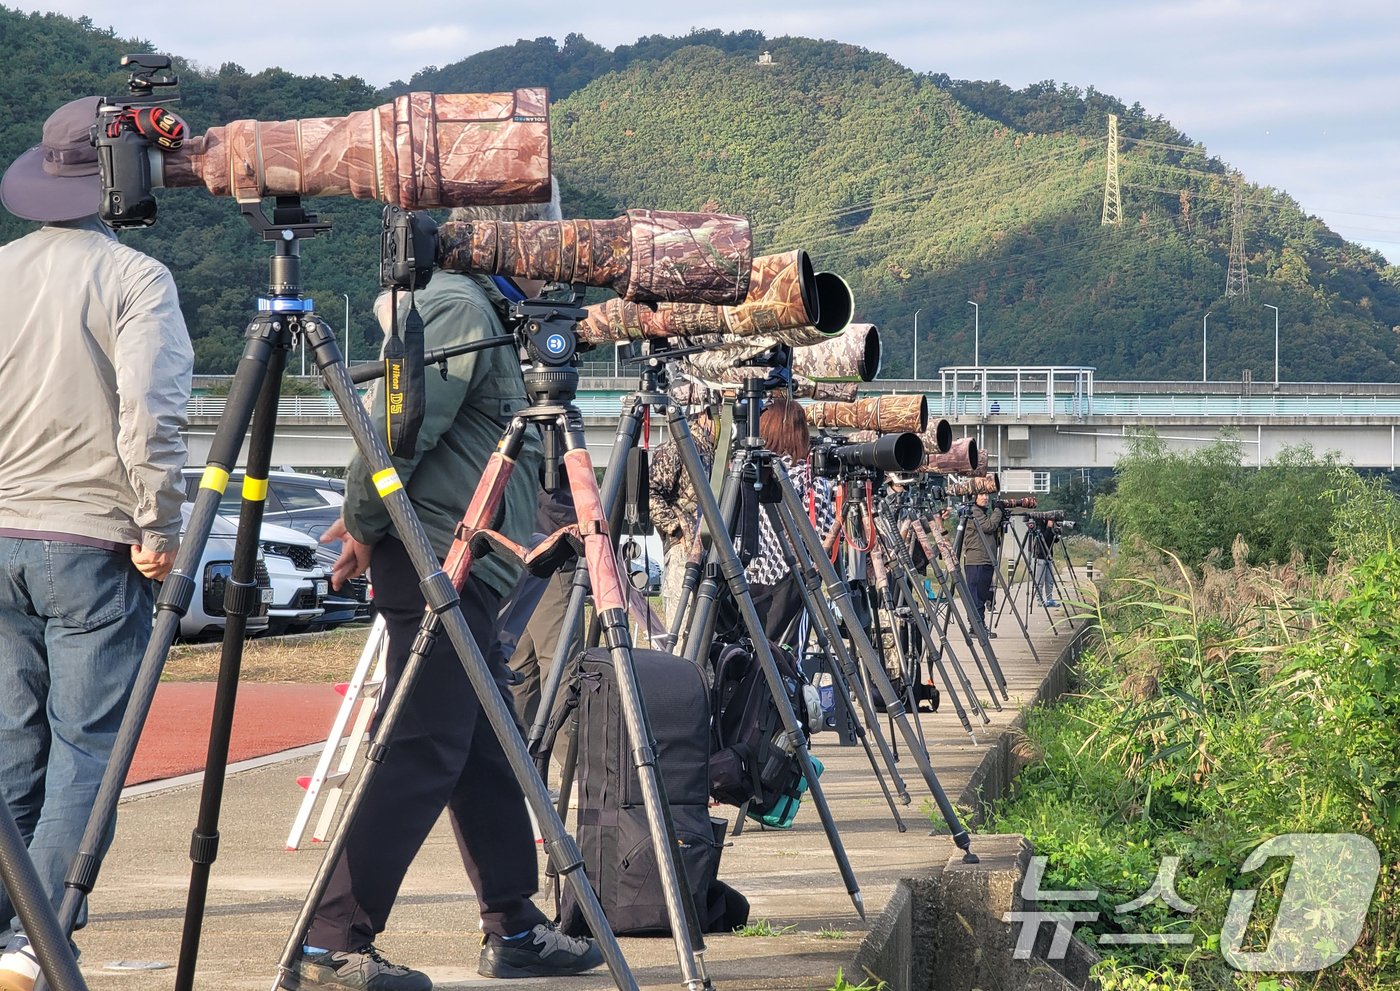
(291,407)
(994,405)
(1166,406)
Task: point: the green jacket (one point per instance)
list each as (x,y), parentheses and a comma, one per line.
(462,423)
(975,548)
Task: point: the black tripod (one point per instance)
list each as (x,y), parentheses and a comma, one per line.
(1029,546)
(285,317)
(993,549)
(799,530)
(933,644)
(629,432)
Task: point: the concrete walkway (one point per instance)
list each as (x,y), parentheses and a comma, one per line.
(789,876)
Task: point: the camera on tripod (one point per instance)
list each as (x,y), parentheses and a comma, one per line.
(833,456)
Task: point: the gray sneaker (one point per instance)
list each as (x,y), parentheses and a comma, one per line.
(359,970)
(542,952)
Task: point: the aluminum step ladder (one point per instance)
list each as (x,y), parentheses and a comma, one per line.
(361,699)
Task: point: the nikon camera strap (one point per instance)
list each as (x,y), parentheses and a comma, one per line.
(403,379)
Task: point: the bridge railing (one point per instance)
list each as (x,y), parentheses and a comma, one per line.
(325,406)
(991,404)
(1164,406)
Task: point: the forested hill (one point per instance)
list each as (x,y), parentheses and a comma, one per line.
(922,191)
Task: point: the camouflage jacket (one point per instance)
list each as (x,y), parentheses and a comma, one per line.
(674,510)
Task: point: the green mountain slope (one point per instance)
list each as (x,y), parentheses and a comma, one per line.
(924,192)
(923,203)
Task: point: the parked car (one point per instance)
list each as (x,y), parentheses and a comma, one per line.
(299,583)
(205,616)
(308,504)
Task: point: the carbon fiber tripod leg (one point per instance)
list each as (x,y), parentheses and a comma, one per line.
(26,892)
(925,621)
(974,616)
(840,596)
(715,515)
(1007,597)
(172,603)
(824,628)
(441,598)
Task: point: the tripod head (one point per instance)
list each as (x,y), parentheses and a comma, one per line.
(547,334)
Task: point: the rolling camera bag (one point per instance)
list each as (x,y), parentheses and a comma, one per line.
(613,832)
(751,767)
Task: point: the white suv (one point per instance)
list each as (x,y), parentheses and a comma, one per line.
(205,616)
(296,580)
(299,582)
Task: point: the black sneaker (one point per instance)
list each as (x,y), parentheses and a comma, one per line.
(543,952)
(360,970)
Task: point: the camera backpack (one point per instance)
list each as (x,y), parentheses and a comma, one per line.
(613,832)
(751,766)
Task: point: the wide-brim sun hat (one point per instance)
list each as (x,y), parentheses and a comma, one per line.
(57,179)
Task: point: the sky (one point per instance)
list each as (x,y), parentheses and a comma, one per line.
(1299,95)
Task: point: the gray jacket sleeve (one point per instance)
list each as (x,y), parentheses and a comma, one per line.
(154,366)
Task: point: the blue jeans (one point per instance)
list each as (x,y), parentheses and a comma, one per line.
(74,622)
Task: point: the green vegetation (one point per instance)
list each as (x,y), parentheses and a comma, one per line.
(867,985)
(922,191)
(1195,505)
(1231,698)
(764,928)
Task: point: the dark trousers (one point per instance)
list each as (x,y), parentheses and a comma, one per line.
(979,582)
(441,755)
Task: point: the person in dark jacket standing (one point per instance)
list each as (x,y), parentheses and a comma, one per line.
(980,552)
(1044,533)
(97,363)
(444,752)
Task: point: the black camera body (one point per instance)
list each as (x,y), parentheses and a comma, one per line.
(128,133)
(407,249)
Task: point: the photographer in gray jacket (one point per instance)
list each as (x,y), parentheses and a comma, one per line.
(96,358)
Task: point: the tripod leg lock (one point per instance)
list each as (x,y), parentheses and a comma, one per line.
(82,875)
(615,633)
(176,593)
(240,598)
(204,847)
(425,640)
(438,592)
(565,857)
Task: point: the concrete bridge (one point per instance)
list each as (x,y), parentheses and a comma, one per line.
(1025,417)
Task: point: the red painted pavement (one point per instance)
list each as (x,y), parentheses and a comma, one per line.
(267,718)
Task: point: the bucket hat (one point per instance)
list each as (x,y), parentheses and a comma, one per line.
(57,180)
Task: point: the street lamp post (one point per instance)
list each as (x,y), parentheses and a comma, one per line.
(976,332)
(1275,309)
(347,326)
(916,342)
(1205,322)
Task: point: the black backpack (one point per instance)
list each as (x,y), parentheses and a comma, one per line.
(613,833)
(750,763)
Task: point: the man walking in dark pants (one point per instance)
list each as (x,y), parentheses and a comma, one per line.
(443,752)
(979,554)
